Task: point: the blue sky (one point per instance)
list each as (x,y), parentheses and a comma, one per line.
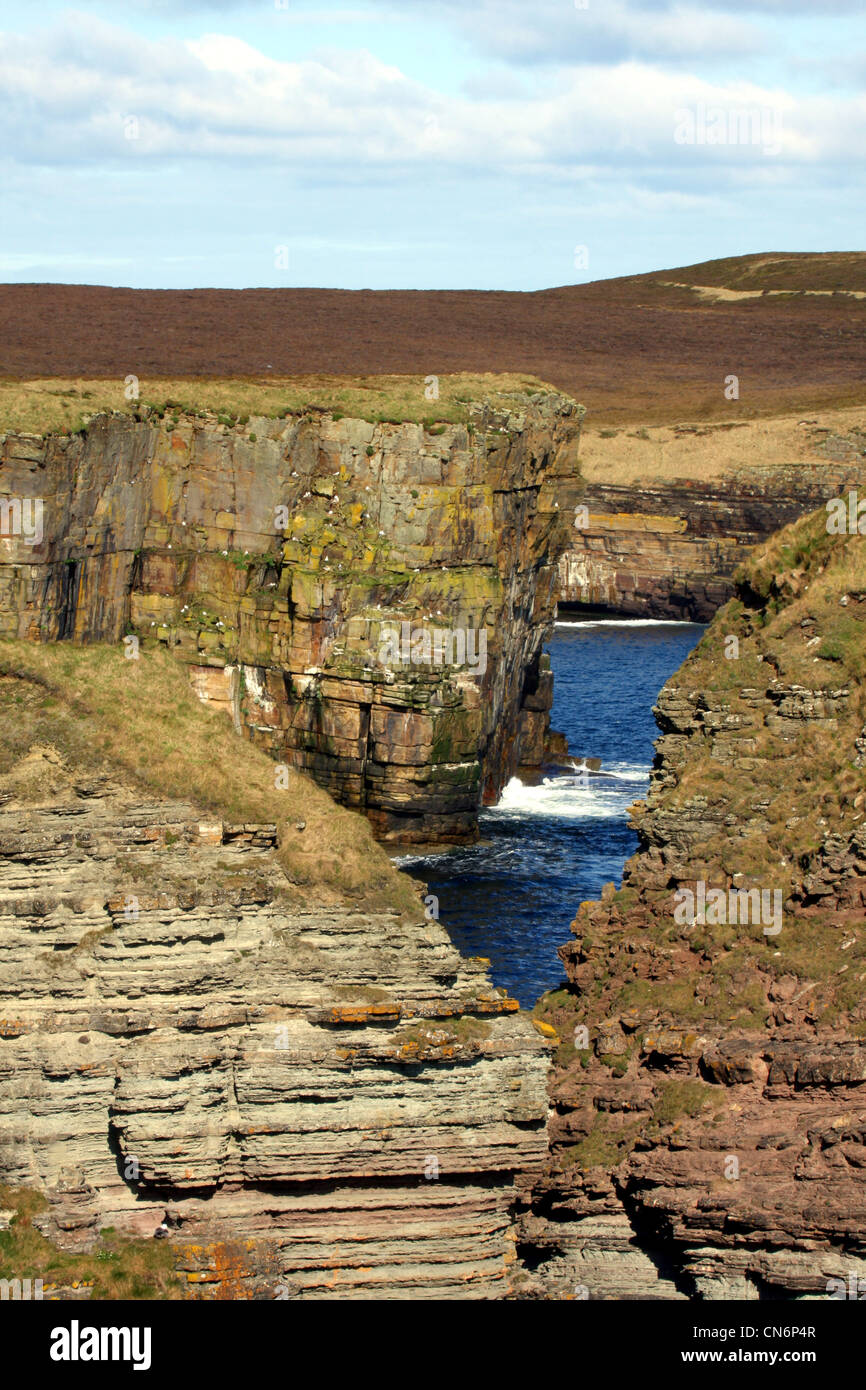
(427,144)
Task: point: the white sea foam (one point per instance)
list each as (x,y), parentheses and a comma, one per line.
(605,796)
(629,772)
(627,622)
(600,799)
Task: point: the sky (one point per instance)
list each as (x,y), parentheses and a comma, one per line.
(423,144)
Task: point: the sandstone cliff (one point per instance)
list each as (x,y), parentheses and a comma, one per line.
(206,1017)
(671,513)
(275,557)
(710,1086)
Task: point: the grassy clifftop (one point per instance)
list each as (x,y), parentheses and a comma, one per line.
(774,448)
(65,404)
(785,663)
(138,721)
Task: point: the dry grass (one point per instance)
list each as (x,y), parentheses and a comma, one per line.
(800,272)
(57,404)
(713,294)
(139,722)
(711,452)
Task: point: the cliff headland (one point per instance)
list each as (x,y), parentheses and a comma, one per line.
(249,607)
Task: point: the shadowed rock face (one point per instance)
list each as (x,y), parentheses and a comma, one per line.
(325,1102)
(281,561)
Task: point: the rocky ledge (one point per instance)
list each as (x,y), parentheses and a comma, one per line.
(709,1092)
(669,549)
(369,600)
(313,1101)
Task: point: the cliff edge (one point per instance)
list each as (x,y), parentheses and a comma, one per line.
(710,1084)
(226,1017)
(368,598)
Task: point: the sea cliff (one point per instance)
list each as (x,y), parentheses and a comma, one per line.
(223,1012)
(279,558)
(709,1087)
(668,514)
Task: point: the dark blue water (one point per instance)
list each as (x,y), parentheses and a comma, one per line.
(546,848)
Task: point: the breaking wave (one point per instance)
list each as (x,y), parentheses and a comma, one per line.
(603,796)
(626,622)
(550,843)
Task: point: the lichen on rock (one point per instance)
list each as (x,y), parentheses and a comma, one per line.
(278,559)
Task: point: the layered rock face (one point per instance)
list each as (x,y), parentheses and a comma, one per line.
(322,1102)
(670,549)
(369,600)
(709,1137)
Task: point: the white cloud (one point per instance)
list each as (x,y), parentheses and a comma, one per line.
(14,262)
(557,31)
(325,12)
(69,95)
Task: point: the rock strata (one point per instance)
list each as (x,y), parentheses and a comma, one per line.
(282,559)
(708,1138)
(670,549)
(317,1102)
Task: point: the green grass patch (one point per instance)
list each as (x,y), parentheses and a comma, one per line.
(45,405)
(119,1268)
(140,723)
